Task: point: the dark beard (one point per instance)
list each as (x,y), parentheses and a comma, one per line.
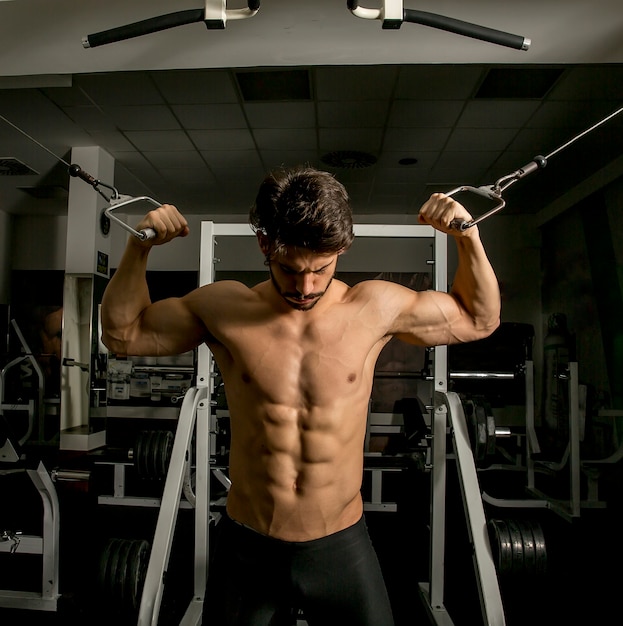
(298,307)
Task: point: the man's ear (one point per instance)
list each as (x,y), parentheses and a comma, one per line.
(263,241)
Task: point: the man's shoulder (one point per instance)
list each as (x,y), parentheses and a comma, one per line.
(233,287)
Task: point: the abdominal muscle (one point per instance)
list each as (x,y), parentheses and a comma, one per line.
(296,474)
(298,392)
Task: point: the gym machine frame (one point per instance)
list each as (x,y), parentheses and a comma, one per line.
(570,508)
(46,545)
(196,416)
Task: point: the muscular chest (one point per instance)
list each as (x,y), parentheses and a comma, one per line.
(302,362)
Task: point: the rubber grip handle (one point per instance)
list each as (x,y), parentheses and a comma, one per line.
(144,27)
(467,29)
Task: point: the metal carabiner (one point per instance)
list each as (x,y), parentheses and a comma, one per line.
(494,192)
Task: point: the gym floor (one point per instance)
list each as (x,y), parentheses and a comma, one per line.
(582,583)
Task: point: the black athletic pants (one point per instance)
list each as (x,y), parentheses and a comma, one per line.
(257,580)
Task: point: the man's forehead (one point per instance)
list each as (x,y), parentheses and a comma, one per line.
(301,259)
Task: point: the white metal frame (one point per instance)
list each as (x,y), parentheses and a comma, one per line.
(46,545)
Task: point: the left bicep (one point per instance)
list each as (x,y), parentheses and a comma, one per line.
(430,318)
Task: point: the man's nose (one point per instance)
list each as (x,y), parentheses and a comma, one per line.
(305,283)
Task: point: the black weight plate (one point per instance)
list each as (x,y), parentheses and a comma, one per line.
(516,546)
(500,540)
(120,583)
(144,453)
(152,454)
(139,452)
(104,563)
(165,448)
(539,549)
(529,549)
(111,574)
(138,561)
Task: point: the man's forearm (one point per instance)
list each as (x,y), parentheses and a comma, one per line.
(476,286)
(125,298)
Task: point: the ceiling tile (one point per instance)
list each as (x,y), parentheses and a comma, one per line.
(353,114)
(119,88)
(590,82)
(144,117)
(355,82)
(111,140)
(288,138)
(366,139)
(415,140)
(280,115)
(277,157)
(390,159)
(196,86)
(90,117)
(438,82)
(193,176)
(227,139)
(209,116)
(480,139)
(497,114)
(425,113)
(175,160)
(231,159)
(159,140)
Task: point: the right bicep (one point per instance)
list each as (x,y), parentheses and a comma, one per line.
(171,326)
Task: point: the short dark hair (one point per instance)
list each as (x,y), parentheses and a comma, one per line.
(303,207)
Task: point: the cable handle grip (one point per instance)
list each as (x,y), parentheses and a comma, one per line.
(143,234)
(486,192)
(144,27)
(170,20)
(467,29)
(393,14)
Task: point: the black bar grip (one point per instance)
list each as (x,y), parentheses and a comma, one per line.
(144,27)
(466,28)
